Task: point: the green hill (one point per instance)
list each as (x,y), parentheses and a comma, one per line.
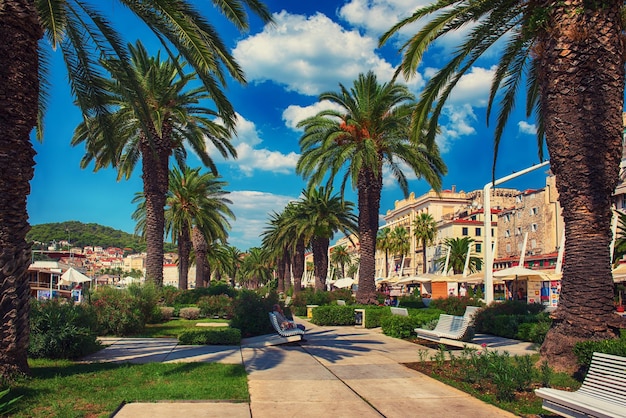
(82,235)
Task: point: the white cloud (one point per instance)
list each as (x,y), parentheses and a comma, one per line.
(294,113)
(253,209)
(310,55)
(456,123)
(250,157)
(473,87)
(527,128)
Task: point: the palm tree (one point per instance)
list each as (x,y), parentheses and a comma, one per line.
(277,241)
(320,215)
(255,269)
(82,34)
(556,45)
(173,120)
(400,244)
(370,130)
(383,243)
(196,199)
(425,230)
(340,257)
(457,254)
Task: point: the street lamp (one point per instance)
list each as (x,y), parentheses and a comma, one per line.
(488,253)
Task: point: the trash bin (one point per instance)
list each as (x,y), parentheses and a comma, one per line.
(359,318)
(309,310)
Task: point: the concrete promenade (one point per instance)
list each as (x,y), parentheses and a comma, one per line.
(339,372)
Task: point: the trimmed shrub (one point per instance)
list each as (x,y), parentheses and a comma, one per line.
(585,349)
(374,315)
(333,315)
(411,301)
(214,336)
(145,298)
(61,330)
(167,313)
(310,296)
(398,326)
(190,313)
(251,313)
(454,305)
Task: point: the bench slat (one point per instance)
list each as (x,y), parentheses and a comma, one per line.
(602,394)
(448,326)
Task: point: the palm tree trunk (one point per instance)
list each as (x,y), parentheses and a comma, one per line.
(424,269)
(320,258)
(20,32)
(369,188)
(155,165)
(184,247)
(583,119)
(298,266)
(200,249)
(280,267)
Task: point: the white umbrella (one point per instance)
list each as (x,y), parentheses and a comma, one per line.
(412,280)
(343,283)
(518,272)
(619,273)
(73,276)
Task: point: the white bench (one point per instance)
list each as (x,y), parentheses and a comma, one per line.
(399,311)
(602,394)
(341,302)
(448,327)
(284,332)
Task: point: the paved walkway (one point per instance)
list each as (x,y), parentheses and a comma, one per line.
(339,372)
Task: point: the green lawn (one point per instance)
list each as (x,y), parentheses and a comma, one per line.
(66,389)
(173,328)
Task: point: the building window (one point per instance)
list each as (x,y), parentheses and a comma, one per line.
(493,232)
(507,217)
(519,247)
(518,231)
(479,248)
(534,211)
(533,243)
(465,231)
(477,232)
(533,227)
(519,198)
(519,214)
(508,248)
(507,233)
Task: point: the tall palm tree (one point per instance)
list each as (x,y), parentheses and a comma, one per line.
(425,230)
(369,131)
(172,121)
(340,257)
(383,242)
(556,45)
(77,28)
(196,199)
(320,215)
(457,254)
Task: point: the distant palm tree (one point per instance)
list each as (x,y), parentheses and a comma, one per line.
(340,257)
(256,270)
(83,35)
(320,215)
(400,244)
(196,199)
(383,243)
(425,230)
(278,243)
(173,119)
(368,132)
(457,250)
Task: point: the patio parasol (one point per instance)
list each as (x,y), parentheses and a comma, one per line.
(73,276)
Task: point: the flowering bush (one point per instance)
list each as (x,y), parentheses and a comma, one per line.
(189,313)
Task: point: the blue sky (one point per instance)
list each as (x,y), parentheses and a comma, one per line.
(312,47)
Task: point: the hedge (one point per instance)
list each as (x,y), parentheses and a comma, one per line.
(217,336)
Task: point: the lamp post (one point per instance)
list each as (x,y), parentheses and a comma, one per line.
(488,253)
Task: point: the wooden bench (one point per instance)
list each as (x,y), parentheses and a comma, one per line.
(448,327)
(284,332)
(602,394)
(399,311)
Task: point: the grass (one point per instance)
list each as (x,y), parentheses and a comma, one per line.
(67,389)
(173,327)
